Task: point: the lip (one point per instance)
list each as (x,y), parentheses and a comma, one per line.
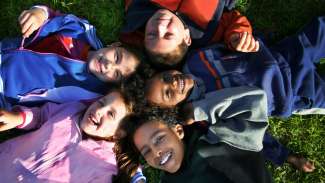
(165,158)
(93,120)
(97,66)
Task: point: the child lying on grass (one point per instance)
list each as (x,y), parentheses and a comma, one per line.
(71,142)
(64,61)
(185,154)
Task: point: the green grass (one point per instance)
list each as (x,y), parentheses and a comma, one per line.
(278,18)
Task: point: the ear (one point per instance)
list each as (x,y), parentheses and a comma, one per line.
(179,131)
(187,37)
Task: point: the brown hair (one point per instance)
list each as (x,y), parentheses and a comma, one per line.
(168,60)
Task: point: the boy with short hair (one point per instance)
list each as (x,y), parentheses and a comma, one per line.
(168,28)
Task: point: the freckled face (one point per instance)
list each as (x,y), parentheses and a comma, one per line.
(169,88)
(161,146)
(112,64)
(103,117)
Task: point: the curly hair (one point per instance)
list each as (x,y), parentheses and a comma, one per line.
(127,155)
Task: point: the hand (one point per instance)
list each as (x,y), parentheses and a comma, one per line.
(244,42)
(31,20)
(9,120)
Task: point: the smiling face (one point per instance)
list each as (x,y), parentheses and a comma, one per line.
(103,117)
(167,89)
(160,145)
(112,64)
(164,32)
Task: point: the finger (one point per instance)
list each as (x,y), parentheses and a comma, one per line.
(29,31)
(252,45)
(247,43)
(242,41)
(25,16)
(257,46)
(22,14)
(26,25)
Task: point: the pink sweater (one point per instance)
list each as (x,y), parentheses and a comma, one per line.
(55,152)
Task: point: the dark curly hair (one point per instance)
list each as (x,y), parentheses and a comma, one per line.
(127,155)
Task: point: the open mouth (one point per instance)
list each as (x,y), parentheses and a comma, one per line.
(180,83)
(93,120)
(97,66)
(165,158)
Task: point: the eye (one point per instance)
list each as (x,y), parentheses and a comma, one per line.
(167,78)
(168,93)
(159,139)
(145,152)
(111,114)
(169,36)
(151,35)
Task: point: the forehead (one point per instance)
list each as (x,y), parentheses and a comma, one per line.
(114,99)
(155,89)
(129,62)
(145,133)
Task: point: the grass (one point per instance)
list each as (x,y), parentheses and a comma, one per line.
(276,19)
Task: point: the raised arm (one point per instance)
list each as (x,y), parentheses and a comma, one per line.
(28,118)
(236,31)
(32,19)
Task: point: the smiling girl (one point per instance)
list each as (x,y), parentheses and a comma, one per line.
(182,152)
(70,142)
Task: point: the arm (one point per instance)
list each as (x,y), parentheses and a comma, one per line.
(66,25)
(32,19)
(28,118)
(236,31)
(238,116)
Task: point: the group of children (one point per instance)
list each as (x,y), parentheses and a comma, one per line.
(205,124)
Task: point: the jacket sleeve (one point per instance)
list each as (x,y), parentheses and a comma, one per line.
(70,26)
(231,22)
(238,116)
(35,117)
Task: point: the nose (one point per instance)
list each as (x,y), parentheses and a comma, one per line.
(161,29)
(109,66)
(174,83)
(157,152)
(98,113)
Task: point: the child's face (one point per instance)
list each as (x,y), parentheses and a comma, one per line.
(161,146)
(112,63)
(169,88)
(102,118)
(164,32)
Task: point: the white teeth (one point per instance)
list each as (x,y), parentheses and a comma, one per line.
(165,158)
(93,119)
(181,85)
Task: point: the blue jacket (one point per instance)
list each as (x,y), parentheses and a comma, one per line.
(31,76)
